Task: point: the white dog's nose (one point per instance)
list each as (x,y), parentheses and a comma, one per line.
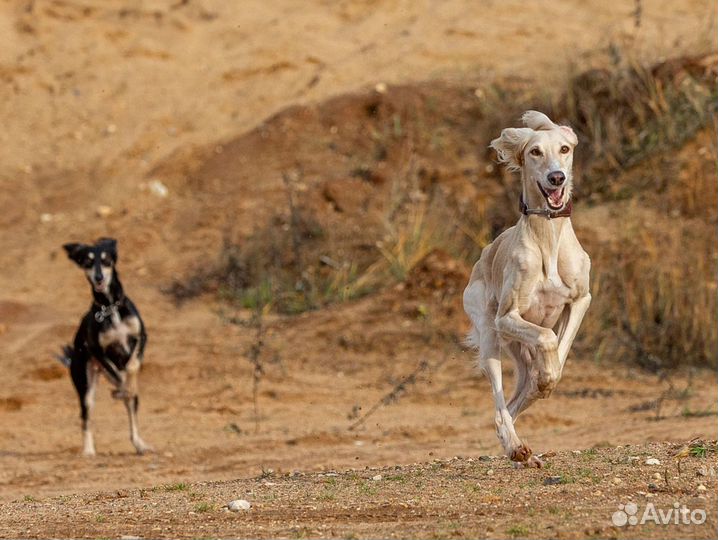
(556,178)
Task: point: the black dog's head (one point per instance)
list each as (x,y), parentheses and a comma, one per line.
(97,261)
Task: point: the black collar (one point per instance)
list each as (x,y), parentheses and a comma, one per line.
(549,214)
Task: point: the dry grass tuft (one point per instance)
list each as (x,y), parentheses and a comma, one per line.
(632,111)
(655,299)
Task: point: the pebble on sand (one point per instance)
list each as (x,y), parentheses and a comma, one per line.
(158,188)
(652,461)
(376,478)
(238,505)
(103,211)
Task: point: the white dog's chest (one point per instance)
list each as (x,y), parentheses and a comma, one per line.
(547,302)
(120,331)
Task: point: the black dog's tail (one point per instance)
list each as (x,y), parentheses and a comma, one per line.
(66,357)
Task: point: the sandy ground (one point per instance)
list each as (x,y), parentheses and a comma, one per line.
(581,494)
(96,95)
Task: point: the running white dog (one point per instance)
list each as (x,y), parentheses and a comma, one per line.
(529,291)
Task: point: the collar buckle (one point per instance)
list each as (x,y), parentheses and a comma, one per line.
(106,311)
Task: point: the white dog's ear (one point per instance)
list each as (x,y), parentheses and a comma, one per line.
(510,146)
(569,134)
(537,120)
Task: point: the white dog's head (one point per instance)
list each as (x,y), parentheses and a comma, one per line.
(543,152)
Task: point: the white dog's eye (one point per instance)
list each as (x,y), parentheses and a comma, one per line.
(536,152)
(565,149)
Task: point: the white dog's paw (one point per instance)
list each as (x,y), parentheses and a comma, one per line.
(520,454)
(533,462)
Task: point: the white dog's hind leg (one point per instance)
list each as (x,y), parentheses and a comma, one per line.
(484,335)
(514,448)
(525,384)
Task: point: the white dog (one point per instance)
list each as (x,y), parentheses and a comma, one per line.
(529,291)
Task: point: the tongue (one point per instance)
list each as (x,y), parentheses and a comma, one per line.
(555,197)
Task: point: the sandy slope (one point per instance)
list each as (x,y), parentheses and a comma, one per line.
(111,86)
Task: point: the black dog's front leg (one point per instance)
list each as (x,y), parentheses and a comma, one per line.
(84,377)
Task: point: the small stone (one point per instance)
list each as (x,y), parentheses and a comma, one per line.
(702,472)
(616,480)
(652,461)
(652,487)
(551,480)
(490,472)
(129,537)
(576,452)
(656,476)
(380,88)
(633,459)
(376,478)
(484,458)
(238,505)
(701,487)
(103,211)
(158,188)
(45,218)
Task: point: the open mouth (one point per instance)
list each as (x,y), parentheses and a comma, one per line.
(554,197)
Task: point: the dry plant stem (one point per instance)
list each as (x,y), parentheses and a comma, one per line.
(255,357)
(294,221)
(396,392)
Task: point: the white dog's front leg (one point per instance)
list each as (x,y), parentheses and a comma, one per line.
(577,311)
(544,340)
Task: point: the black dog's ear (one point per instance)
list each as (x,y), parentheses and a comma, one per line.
(76,252)
(109,245)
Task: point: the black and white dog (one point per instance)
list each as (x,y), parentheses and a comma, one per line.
(111,339)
